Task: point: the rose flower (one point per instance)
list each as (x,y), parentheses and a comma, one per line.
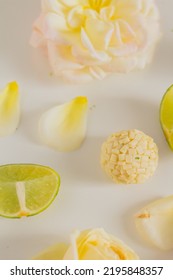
(90,244)
(86,39)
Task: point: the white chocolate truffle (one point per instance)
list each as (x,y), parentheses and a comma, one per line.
(129,157)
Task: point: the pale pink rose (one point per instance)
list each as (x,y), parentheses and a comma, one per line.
(87,39)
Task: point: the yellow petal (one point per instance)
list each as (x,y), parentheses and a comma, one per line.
(53,23)
(70,3)
(55,252)
(155,223)
(75,17)
(9,109)
(100,55)
(64,127)
(99,33)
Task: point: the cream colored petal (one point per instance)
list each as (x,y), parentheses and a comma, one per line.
(149,9)
(127,8)
(96,244)
(89,13)
(128,33)
(51,6)
(37,37)
(75,17)
(100,55)
(53,25)
(155,223)
(107,13)
(61,59)
(123,50)
(152,35)
(142,29)
(64,127)
(77,76)
(72,251)
(55,252)
(121,64)
(9,109)
(70,3)
(84,57)
(131,32)
(117,38)
(98,72)
(99,33)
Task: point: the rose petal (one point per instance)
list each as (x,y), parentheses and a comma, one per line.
(55,252)
(97,72)
(127,8)
(51,6)
(75,17)
(89,13)
(9,109)
(70,3)
(121,64)
(155,223)
(149,9)
(64,127)
(87,43)
(53,24)
(96,244)
(99,33)
(37,38)
(61,59)
(107,13)
(123,50)
(77,76)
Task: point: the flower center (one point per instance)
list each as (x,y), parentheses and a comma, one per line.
(98,4)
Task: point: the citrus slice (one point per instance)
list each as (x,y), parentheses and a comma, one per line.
(166,115)
(26,189)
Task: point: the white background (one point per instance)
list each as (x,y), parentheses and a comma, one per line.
(87,198)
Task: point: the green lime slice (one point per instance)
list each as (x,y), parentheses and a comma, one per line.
(166,115)
(26,189)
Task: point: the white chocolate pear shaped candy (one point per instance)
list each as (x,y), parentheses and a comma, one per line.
(155,223)
(9,109)
(64,127)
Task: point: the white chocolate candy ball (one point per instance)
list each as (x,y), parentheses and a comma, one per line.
(129,157)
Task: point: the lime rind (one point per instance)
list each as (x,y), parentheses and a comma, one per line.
(166,115)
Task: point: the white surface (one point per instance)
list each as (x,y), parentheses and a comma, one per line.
(87,198)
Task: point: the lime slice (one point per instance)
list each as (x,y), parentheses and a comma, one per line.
(26,189)
(166,115)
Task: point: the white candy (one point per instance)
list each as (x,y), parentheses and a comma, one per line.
(129,157)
